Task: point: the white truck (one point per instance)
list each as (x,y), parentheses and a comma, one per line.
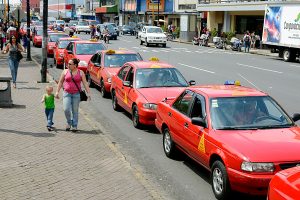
(281,31)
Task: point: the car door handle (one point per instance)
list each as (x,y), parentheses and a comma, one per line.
(170,114)
(186,125)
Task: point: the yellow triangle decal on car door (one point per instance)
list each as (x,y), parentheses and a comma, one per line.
(201,146)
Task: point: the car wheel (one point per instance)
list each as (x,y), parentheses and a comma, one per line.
(54,61)
(288,55)
(104,93)
(141,42)
(135,117)
(168,144)
(164,45)
(147,44)
(115,104)
(219,181)
(90,81)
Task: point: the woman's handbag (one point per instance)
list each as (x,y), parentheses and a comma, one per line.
(83,96)
(19,56)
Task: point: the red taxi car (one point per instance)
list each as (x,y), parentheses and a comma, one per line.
(241,135)
(285,185)
(52,39)
(104,64)
(140,85)
(59,49)
(37,37)
(82,50)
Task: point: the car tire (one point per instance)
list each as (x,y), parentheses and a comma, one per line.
(114,99)
(168,144)
(288,55)
(89,80)
(164,45)
(104,93)
(135,117)
(141,42)
(147,44)
(219,181)
(54,61)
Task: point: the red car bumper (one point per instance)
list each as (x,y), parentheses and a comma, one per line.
(59,60)
(254,184)
(147,116)
(50,51)
(84,69)
(38,43)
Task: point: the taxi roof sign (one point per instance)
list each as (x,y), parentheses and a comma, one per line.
(93,40)
(110,51)
(237,83)
(74,36)
(154,59)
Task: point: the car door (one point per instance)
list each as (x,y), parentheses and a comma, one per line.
(194,135)
(93,68)
(66,54)
(128,93)
(179,115)
(119,85)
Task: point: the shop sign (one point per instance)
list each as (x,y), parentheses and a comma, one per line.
(152,5)
(130,5)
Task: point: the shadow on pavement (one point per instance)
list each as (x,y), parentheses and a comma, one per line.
(41,134)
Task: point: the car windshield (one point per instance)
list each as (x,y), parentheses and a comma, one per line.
(89,48)
(259,112)
(109,27)
(39,32)
(114,25)
(72,23)
(83,23)
(126,27)
(154,30)
(159,77)
(63,44)
(93,23)
(118,60)
(55,37)
(60,21)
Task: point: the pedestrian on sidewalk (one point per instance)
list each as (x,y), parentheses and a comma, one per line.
(25,42)
(2,36)
(247,41)
(71,80)
(14,49)
(48,99)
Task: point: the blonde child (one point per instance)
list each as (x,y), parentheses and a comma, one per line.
(48,99)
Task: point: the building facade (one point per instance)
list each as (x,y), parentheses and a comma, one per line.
(34,5)
(107,11)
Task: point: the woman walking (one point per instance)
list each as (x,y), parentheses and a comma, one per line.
(14,50)
(71,80)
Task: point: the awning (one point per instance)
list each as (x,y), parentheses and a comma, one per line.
(107,9)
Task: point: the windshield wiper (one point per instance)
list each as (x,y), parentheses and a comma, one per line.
(237,128)
(275,126)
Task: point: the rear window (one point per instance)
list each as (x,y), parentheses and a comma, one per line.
(118,60)
(55,37)
(89,48)
(83,23)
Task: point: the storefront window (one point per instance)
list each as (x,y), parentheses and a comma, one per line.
(249,23)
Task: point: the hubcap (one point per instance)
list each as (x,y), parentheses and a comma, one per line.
(218,181)
(286,55)
(135,117)
(114,100)
(167,142)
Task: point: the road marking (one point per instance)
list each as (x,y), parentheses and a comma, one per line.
(298,66)
(188,51)
(144,50)
(196,68)
(269,70)
(126,40)
(249,81)
(165,50)
(180,48)
(155,51)
(136,47)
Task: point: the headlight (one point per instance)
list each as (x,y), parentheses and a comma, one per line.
(109,80)
(257,167)
(82,63)
(151,38)
(151,106)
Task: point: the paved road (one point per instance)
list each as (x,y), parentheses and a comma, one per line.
(182,178)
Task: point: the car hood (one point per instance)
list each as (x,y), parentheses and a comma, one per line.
(111,70)
(85,58)
(156,34)
(155,95)
(267,145)
(51,44)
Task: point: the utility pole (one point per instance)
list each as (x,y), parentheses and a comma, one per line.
(158,3)
(8,8)
(57,9)
(28,31)
(45,42)
(93,9)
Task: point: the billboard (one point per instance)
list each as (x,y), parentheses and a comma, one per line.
(130,5)
(152,5)
(282,25)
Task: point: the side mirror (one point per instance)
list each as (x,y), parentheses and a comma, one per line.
(126,83)
(192,82)
(70,52)
(296,117)
(199,121)
(97,64)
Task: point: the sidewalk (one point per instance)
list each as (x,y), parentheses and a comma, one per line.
(264,52)
(37,164)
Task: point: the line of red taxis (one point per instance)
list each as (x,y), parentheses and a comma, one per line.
(239,134)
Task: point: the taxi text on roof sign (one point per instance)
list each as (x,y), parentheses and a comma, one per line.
(237,83)
(93,40)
